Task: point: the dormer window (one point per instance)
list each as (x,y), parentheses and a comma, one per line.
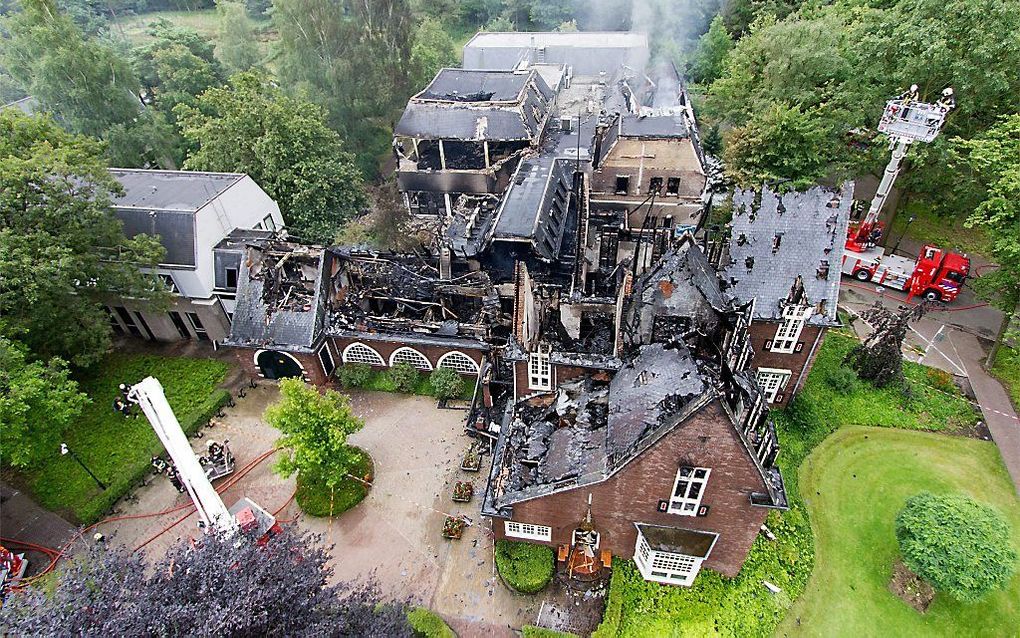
(539,371)
(794,318)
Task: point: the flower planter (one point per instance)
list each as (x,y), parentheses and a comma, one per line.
(453,527)
(472,461)
(463,491)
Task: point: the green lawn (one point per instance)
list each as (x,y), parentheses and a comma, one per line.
(135,27)
(927,227)
(1007,370)
(855,483)
(316,499)
(741,606)
(115,447)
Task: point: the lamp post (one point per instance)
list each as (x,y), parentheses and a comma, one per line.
(66,450)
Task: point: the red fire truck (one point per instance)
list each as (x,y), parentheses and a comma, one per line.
(936,275)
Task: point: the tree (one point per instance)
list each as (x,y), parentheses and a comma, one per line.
(354,59)
(62,251)
(236,47)
(87,85)
(283,143)
(782,144)
(707,63)
(37,402)
(991,161)
(961,547)
(433,49)
(315,428)
(215,587)
(879,358)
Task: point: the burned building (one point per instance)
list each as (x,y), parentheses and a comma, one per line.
(304,310)
(783,253)
(626,453)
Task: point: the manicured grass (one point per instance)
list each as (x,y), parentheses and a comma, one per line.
(1007,370)
(118,448)
(135,27)
(525,567)
(529,631)
(316,499)
(741,606)
(927,227)
(855,484)
(929,401)
(429,624)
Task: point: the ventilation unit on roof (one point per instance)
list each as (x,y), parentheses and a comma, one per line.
(566,124)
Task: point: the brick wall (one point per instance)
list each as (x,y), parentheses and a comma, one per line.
(560,374)
(386,348)
(797,362)
(633,493)
(310,364)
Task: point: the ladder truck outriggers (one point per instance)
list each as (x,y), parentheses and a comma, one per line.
(213,515)
(937,274)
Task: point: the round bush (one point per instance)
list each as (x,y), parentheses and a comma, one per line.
(404,377)
(315,499)
(959,546)
(525,567)
(446,384)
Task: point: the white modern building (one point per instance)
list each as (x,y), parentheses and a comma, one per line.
(201,219)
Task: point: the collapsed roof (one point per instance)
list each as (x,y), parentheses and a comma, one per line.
(778,240)
(280,298)
(463,104)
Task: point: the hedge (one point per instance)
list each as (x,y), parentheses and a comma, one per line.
(132,475)
(429,624)
(524,567)
(530,631)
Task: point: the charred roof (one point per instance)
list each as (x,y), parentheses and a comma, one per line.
(787,248)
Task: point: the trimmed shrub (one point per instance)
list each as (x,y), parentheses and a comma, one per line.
(429,624)
(354,375)
(314,498)
(525,567)
(404,377)
(843,380)
(959,546)
(446,383)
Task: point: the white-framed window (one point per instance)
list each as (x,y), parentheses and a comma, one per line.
(458,361)
(528,531)
(772,381)
(269,223)
(410,356)
(539,371)
(360,353)
(169,283)
(794,318)
(326,359)
(688,490)
(665,567)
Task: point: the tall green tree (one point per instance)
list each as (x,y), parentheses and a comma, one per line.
(86,84)
(283,143)
(991,161)
(38,400)
(354,59)
(236,47)
(314,427)
(62,251)
(433,49)
(710,56)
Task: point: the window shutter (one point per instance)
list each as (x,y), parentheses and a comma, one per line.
(768,344)
(799,346)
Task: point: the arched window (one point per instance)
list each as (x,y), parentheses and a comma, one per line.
(410,356)
(458,361)
(360,353)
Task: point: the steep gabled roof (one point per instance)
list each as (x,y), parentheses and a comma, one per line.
(777,238)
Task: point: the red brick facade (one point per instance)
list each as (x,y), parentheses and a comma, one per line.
(798,363)
(632,494)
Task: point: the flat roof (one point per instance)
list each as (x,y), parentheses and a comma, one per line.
(183,191)
(516,39)
(469,85)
